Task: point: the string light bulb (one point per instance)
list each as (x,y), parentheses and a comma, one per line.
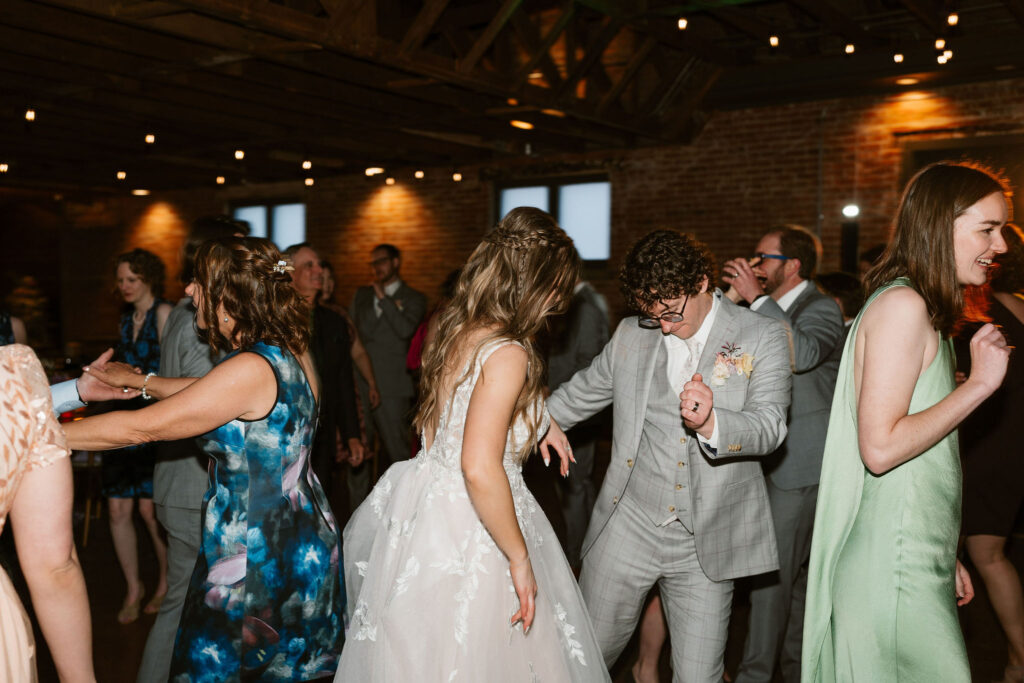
(121,175)
(220,180)
(898,57)
(239,154)
(942,59)
(150,138)
(940,43)
(419,175)
(3,168)
(309,182)
(850,48)
(773,41)
(953,19)
(30,114)
(948,54)
(306,165)
(682,23)
(457,177)
(389,181)
(374,170)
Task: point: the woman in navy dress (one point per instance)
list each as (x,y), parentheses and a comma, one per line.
(127,474)
(266,601)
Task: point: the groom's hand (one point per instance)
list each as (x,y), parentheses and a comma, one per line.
(695,404)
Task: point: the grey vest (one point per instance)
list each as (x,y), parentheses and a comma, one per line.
(660,482)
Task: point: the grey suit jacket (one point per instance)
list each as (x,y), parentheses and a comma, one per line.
(816,331)
(729,502)
(180,477)
(387,338)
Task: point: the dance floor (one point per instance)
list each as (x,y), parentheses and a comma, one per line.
(118,649)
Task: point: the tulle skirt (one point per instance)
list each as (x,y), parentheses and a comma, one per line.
(430,597)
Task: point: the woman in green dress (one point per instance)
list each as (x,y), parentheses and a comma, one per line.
(883,576)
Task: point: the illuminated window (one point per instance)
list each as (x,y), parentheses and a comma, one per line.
(583,208)
(283,224)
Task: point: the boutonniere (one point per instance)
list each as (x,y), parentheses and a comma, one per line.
(731,361)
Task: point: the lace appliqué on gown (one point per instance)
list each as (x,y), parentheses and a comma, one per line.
(431,592)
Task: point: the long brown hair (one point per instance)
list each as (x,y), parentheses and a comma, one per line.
(921,248)
(247,276)
(522,271)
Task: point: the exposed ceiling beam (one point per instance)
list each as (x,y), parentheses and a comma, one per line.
(541,51)
(609,28)
(422,25)
(835,19)
(501,17)
(636,61)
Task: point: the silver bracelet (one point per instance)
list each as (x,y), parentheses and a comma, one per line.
(144,383)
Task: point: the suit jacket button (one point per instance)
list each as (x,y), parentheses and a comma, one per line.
(629,463)
(680,464)
(682,439)
(678,487)
(615,500)
(671,508)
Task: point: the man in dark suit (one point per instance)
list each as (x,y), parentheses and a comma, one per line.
(330,346)
(576,339)
(386,315)
(778,284)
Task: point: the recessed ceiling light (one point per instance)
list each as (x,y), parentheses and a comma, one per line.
(140,193)
(524,125)
(908,80)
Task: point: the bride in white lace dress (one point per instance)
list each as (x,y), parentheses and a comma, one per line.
(452,571)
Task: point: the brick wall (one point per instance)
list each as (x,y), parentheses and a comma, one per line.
(749,169)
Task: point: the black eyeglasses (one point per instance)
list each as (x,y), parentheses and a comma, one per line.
(654,322)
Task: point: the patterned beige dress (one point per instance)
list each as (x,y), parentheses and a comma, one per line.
(29,439)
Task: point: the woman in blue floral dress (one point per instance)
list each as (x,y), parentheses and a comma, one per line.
(266,601)
(127,473)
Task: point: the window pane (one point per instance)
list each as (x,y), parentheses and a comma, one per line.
(512,197)
(289,224)
(256,217)
(585,212)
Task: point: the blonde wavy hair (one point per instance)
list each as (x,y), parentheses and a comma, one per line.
(524,270)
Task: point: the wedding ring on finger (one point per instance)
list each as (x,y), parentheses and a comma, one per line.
(125,389)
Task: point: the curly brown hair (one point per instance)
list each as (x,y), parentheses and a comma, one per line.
(147,266)
(239,273)
(664,264)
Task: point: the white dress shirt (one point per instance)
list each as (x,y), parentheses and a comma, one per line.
(684,355)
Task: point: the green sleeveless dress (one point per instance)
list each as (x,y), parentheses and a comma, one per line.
(880,588)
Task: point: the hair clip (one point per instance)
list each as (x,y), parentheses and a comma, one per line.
(283,267)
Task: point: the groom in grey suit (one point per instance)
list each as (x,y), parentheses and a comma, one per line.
(779,285)
(699,388)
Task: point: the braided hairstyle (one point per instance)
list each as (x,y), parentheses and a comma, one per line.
(522,271)
(248,276)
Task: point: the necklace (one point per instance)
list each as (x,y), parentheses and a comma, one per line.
(138,319)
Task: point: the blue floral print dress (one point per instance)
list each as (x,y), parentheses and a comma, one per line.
(128,472)
(266,601)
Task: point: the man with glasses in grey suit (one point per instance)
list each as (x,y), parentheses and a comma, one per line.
(699,389)
(778,283)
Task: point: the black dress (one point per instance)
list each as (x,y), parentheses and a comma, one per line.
(990,447)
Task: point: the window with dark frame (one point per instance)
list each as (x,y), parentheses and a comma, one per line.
(283,223)
(582,206)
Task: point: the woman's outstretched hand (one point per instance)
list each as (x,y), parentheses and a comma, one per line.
(556,439)
(92,386)
(115,374)
(526,589)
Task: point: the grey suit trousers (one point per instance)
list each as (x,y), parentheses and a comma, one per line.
(777,599)
(622,566)
(184,536)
